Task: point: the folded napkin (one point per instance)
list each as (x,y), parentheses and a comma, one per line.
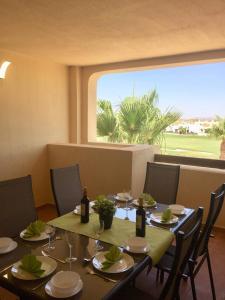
(32,265)
(112,256)
(166,215)
(148,199)
(34,229)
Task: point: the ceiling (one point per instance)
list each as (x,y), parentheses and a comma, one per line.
(87,32)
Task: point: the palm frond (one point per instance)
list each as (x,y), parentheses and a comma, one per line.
(138,120)
(218,130)
(104,106)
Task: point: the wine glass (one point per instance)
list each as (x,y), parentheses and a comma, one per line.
(70,239)
(127,198)
(98,230)
(126,209)
(50,231)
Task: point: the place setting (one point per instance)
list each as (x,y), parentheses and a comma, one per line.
(124,202)
(166,218)
(177,209)
(32,267)
(148,201)
(117,259)
(123,197)
(7,245)
(36,231)
(39,231)
(113,261)
(136,245)
(64,284)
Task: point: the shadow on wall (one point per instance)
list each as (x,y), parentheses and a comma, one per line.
(41,177)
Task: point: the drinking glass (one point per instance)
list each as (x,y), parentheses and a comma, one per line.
(126,209)
(70,239)
(127,198)
(98,230)
(50,231)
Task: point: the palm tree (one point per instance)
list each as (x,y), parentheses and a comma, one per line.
(218,131)
(138,120)
(107,123)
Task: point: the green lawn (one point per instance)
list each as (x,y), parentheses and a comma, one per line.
(191,145)
(187,145)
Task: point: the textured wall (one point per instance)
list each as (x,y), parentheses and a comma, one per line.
(195,186)
(33,112)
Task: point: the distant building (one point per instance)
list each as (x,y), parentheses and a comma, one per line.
(191,126)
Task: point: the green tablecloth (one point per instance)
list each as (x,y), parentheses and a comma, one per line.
(158,239)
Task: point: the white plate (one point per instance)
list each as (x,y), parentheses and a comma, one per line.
(11,247)
(124,264)
(120,197)
(177,209)
(132,250)
(140,251)
(136,245)
(145,204)
(157,217)
(5,242)
(41,237)
(48,264)
(49,289)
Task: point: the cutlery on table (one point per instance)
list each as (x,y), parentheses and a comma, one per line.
(91,272)
(40,285)
(6,268)
(88,259)
(55,258)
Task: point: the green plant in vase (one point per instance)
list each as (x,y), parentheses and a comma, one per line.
(106,210)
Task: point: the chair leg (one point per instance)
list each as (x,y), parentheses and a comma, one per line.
(211,276)
(178,297)
(194,296)
(149,269)
(161,276)
(157,274)
(192,279)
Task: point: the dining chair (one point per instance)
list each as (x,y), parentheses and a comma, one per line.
(170,291)
(161,182)
(200,252)
(66,187)
(17,206)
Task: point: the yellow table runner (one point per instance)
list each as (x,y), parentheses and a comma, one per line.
(158,239)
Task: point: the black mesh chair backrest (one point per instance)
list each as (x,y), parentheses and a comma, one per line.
(66,187)
(162,181)
(216,203)
(17,206)
(185,243)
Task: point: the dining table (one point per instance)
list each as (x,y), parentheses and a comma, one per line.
(159,237)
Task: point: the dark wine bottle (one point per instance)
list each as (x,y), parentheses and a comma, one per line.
(140,219)
(84,207)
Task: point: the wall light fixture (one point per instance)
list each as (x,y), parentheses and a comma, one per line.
(3,68)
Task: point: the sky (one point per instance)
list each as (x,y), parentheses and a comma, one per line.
(195,91)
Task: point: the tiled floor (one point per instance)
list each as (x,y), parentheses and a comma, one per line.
(217,253)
